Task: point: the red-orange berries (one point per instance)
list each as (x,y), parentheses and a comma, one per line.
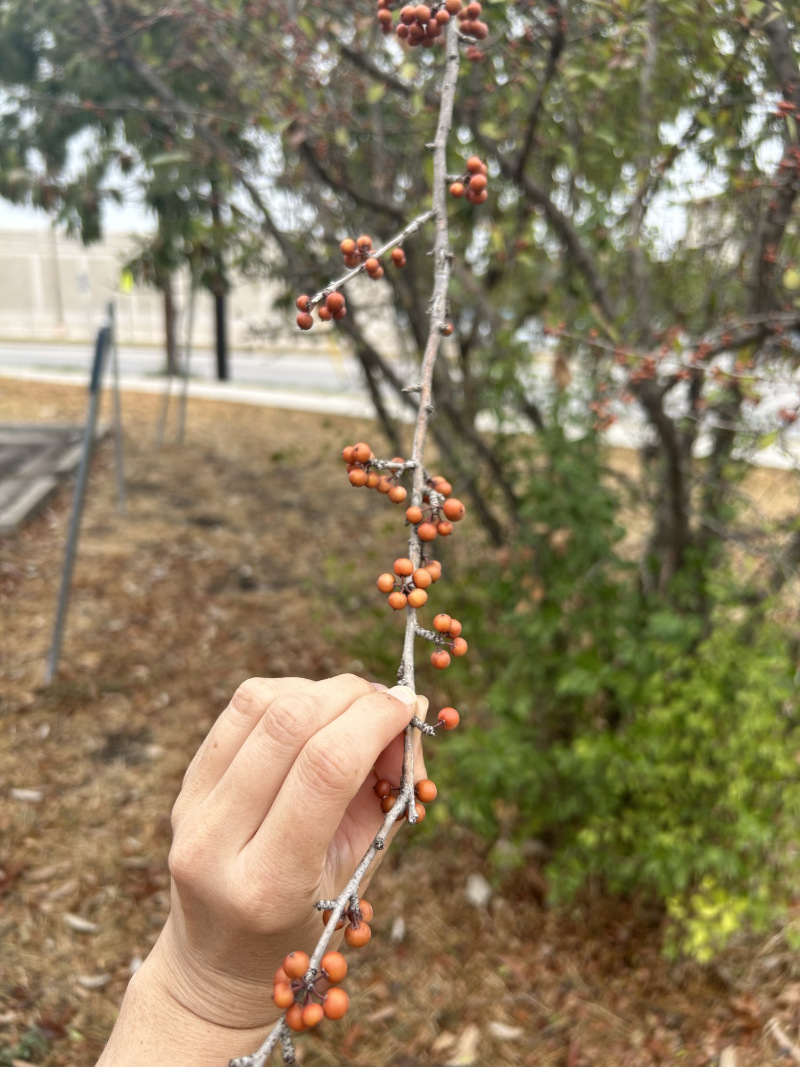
(442,622)
(366,909)
(302,302)
(457,190)
(357,935)
(335,1004)
(426,531)
(435,568)
(447,329)
(441,485)
(382,788)
(335,967)
(414,514)
(460,647)
(358,477)
(425,790)
(398,257)
(387,803)
(304,320)
(362,452)
(335,302)
(325,315)
(296,964)
(440,659)
(283,995)
(444,528)
(348,246)
(373,480)
(417,598)
(384,483)
(385,582)
(455,628)
(449,718)
(397,600)
(313,1014)
(372,266)
(474,165)
(422,578)
(404,567)
(397,494)
(348,454)
(453,6)
(326,916)
(478,183)
(294,1019)
(454,510)
(364,243)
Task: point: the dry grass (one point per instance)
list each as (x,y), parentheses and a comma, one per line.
(242,553)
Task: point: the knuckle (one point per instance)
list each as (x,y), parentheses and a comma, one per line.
(252,697)
(329,768)
(289,719)
(185,862)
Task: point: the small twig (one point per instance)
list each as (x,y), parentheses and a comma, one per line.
(787,1047)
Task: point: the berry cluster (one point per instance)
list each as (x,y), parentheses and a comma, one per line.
(407,586)
(423,24)
(356,919)
(359,251)
(474,184)
(437,514)
(363,469)
(447,632)
(425,791)
(296,990)
(334,307)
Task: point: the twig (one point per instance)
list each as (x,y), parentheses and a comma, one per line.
(787,1047)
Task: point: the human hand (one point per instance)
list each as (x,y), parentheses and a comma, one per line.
(276,811)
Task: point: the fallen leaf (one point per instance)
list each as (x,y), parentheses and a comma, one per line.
(93,981)
(79,924)
(466,1050)
(504,1032)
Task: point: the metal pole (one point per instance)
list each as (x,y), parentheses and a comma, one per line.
(77,505)
(187,356)
(112,320)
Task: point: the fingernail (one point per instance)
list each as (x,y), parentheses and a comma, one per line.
(402,692)
(379,687)
(422,707)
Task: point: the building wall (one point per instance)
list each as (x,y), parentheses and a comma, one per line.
(54,289)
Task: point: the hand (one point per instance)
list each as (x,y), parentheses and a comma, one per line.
(275,812)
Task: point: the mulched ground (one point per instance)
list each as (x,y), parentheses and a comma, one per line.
(242,552)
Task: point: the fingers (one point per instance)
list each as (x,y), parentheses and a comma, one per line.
(247,706)
(256,774)
(327,774)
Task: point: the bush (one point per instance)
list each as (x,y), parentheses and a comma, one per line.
(653,751)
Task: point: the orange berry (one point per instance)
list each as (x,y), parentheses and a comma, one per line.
(347,454)
(397,494)
(417,597)
(478,183)
(387,803)
(294,1019)
(326,916)
(443,16)
(422,12)
(442,486)
(454,509)
(453,6)
(435,569)
(440,659)
(336,1004)
(398,257)
(407,14)
(457,189)
(283,995)
(313,1014)
(474,9)
(281,976)
(449,718)
(358,477)
(364,243)
(414,514)
(474,165)
(335,966)
(335,302)
(397,600)
(373,480)
(447,329)
(361,452)
(385,17)
(304,320)
(460,647)
(455,628)
(366,909)
(385,582)
(442,622)
(444,528)
(384,484)
(296,964)
(372,265)
(478,198)
(352,262)
(382,788)
(348,246)
(325,314)
(426,531)
(425,790)
(357,935)
(404,567)
(420,810)
(340,314)
(302,302)
(422,578)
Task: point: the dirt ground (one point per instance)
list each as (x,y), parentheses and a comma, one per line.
(243,552)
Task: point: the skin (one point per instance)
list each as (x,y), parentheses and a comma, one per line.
(275,812)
